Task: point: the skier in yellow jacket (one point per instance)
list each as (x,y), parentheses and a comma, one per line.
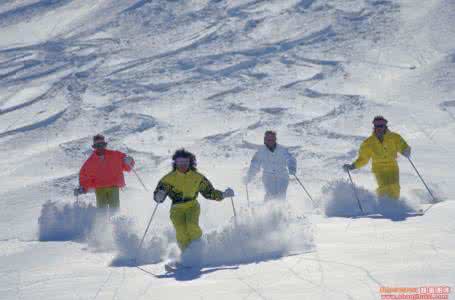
(183,185)
(382,147)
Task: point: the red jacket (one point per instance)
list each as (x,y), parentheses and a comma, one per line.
(108,172)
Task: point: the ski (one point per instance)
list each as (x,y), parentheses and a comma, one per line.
(173,267)
(170,268)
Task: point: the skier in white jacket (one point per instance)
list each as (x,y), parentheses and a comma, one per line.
(276,163)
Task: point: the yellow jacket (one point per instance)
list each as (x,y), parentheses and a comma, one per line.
(185,187)
(384,155)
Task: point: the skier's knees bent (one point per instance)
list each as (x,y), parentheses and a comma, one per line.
(108,198)
(275,188)
(182,238)
(194,232)
(391,191)
(275,194)
(181,234)
(192,222)
(186,235)
(185,219)
(388,180)
(269,196)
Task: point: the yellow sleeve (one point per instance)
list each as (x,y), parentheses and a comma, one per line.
(364,155)
(164,186)
(401,143)
(208,191)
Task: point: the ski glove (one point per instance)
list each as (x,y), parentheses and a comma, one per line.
(292,171)
(407,152)
(160,196)
(228,193)
(246,179)
(129,161)
(348,167)
(79,191)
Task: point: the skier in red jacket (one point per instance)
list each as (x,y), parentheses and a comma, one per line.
(103,172)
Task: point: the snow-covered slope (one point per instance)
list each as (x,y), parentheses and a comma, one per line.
(212,76)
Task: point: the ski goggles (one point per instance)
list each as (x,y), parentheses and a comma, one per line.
(99,145)
(182,161)
(380,126)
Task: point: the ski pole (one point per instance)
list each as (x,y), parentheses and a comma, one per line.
(309,196)
(247,195)
(233,209)
(403,67)
(423,181)
(145,233)
(76,195)
(140,180)
(355,191)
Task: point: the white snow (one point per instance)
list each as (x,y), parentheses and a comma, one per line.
(212,76)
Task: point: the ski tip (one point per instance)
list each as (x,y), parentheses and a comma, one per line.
(169,269)
(173,267)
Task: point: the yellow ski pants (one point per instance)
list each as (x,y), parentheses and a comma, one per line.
(108,197)
(388,179)
(185,218)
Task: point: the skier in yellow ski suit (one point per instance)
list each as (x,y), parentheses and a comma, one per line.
(382,147)
(183,185)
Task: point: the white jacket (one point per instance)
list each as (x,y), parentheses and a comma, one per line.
(278,163)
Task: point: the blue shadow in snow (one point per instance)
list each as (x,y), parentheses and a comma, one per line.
(188,274)
(392,217)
